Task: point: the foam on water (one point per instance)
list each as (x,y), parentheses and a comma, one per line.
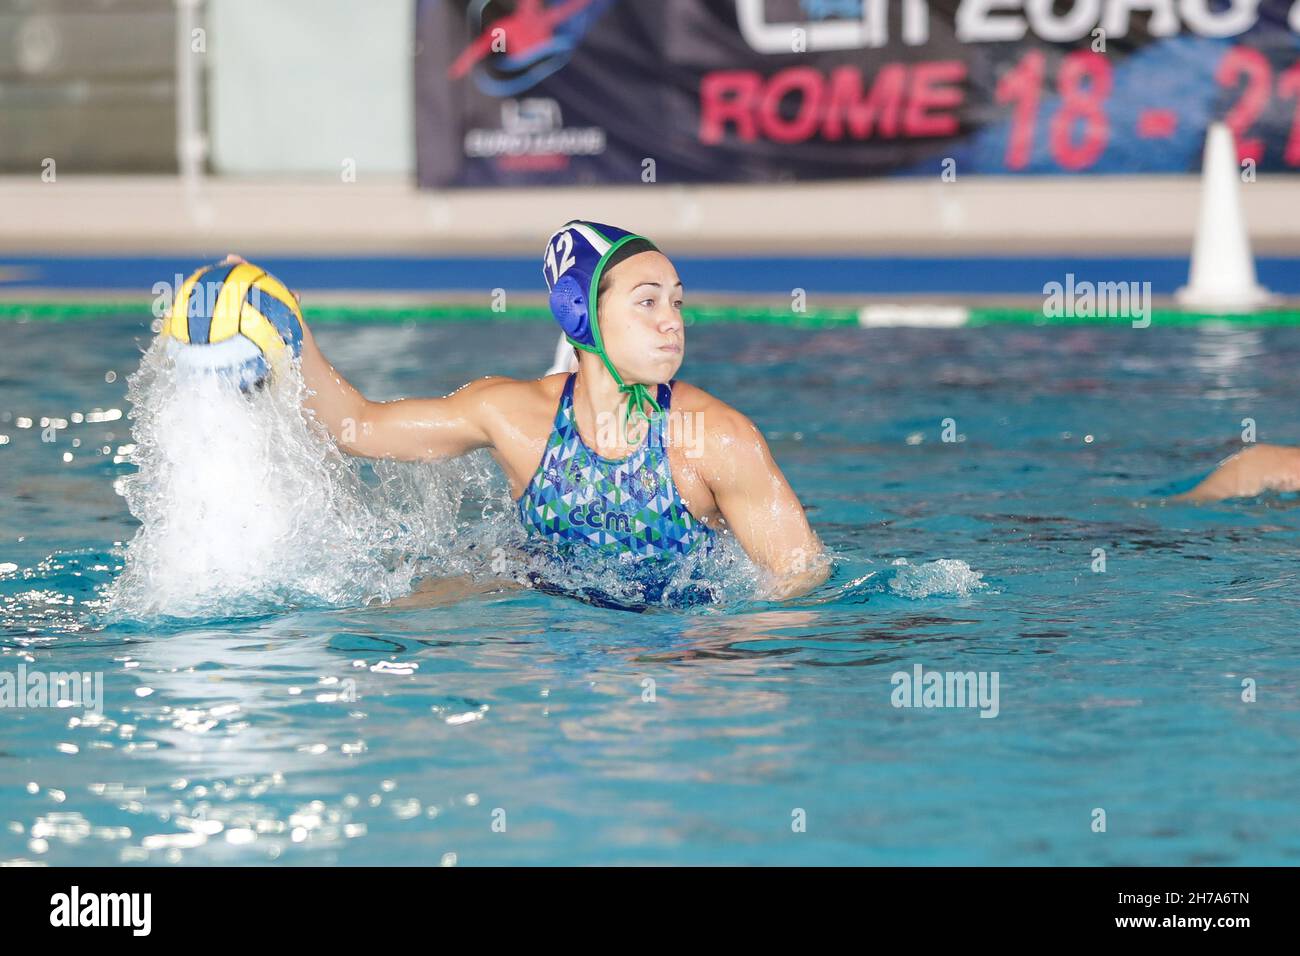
(946,577)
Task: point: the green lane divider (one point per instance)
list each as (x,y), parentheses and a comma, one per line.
(65,311)
(355,315)
(701,315)
(698,315)
(812,319)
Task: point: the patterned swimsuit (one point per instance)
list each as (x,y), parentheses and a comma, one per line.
(589,505)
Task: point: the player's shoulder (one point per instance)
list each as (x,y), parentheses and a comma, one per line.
(504,394)
(721,423)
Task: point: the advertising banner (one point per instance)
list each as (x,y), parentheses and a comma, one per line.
(533,92)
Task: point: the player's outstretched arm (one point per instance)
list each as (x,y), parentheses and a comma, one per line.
(409,429)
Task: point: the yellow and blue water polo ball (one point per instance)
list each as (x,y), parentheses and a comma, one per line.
(234,319)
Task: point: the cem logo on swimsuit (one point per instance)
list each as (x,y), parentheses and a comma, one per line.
(627,506)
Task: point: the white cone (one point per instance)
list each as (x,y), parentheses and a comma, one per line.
(1223,269)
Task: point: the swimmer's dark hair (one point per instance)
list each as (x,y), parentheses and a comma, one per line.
(625,251)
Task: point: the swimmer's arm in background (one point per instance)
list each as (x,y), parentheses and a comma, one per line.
(408,429)
(1248,473)
(761,508)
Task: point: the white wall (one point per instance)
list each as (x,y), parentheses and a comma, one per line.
(298,86)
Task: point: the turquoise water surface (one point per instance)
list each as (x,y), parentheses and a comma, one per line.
(518,727)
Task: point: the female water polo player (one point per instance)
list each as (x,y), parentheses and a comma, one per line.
(590,456)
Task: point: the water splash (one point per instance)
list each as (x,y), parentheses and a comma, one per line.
(947,577)
(246,505)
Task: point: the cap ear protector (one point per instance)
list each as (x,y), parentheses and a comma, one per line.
(569,306)
(577,255)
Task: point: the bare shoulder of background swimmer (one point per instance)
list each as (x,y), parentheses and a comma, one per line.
(758,504)
(1250,472)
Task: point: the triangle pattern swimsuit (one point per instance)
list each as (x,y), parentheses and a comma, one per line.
(584,502)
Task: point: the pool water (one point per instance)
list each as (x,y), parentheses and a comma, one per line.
(521,727)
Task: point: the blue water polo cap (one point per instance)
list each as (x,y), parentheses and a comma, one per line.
(577,255)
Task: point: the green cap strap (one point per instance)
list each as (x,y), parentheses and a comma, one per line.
(638,396)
